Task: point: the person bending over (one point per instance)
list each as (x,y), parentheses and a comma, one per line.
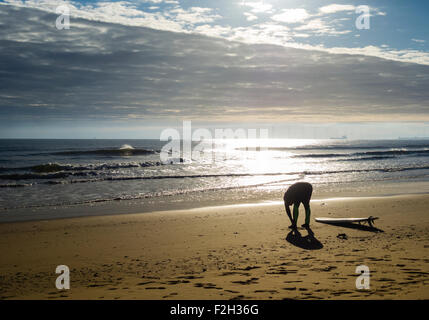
(296,194)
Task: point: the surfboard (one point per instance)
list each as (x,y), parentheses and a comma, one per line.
(369,220)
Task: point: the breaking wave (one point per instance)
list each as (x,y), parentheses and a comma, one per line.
(62,175)
(391,153)
(125,150)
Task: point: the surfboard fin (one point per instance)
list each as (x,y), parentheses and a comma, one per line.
(371,220)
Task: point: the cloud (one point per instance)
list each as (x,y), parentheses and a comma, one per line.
(213,30)
(127,13)
(291,15)
(258,6)
(267,33)
(159,1)
(188,21)
(98,70)
(195,15)
(318,26)
(395,55)
(121,12)
(333,8)
(250,16)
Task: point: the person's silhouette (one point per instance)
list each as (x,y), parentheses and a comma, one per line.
(298,193)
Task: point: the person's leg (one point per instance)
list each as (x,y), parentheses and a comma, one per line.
(307,213)
(295,213)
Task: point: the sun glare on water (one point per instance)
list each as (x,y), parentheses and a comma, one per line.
(273,159)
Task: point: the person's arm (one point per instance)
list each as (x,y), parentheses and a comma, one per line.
(288,212)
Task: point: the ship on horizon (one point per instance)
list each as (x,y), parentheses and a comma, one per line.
(339,138)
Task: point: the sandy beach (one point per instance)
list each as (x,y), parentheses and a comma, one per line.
(230,252)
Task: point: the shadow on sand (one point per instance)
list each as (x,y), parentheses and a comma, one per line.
(308,242)
(355,226)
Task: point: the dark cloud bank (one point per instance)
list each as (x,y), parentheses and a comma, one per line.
(101,71)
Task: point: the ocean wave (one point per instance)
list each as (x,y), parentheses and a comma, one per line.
(153,195)
(108,152)
(31,176)
(56,167)
(178,192)
(322,155)
(15,185)
(63,175)
(329,147)
(394,152)
(392,169)
(368,158)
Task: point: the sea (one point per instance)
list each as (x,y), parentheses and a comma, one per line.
(52,173)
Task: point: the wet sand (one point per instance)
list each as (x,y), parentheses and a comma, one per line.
(231,252)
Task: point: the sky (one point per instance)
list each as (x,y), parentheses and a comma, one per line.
(132,68)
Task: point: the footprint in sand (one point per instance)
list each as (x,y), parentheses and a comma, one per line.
(246,282)
(262,291)
(282,271)
(146,282)
(177,281)
(95,285)
(231,273)
(208,285)
(289,288)
(170,295)
(240,297)
(190,277)
(249,268)
(231,291)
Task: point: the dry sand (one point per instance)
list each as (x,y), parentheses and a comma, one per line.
(238,252)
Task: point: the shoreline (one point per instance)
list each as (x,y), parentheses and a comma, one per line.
(263,203)
(181,202)
(222,253)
